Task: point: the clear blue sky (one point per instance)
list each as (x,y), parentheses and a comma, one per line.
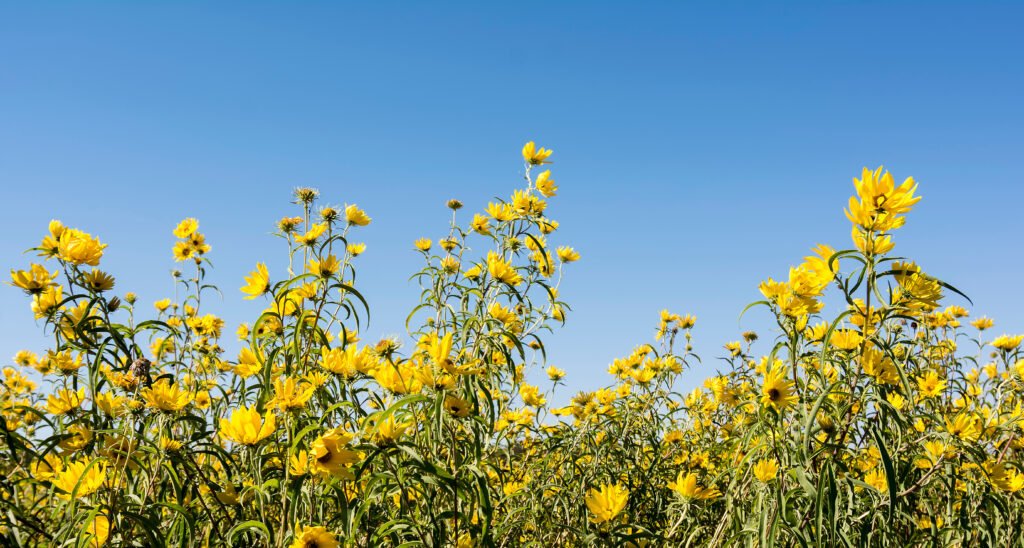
(698,148)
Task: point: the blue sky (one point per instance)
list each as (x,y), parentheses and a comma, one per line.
(699,148)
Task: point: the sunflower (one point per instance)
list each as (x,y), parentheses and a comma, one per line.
(776,391)
(330,454)
(314,537)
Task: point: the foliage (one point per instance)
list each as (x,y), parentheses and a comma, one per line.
(879,424)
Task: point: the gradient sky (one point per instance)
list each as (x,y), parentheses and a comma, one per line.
(699,148)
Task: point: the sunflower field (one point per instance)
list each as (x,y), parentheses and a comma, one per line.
(894,421)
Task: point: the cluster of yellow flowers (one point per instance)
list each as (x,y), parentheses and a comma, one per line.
(884,422)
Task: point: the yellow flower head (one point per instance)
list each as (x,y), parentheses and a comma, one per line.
(567,254)
(846,339)
(331,455)
(34,280)
(257,282)
(776,391)
(186,228)
(314,537)
(555,373)
(930,385)
(247,427)
(311,235)
(480,224)
(879,202)
(356,216)
(64,401)
(99,530)
(290,394)
(79,479)
(606,502)
(458,407)
(1007,342)
(166,396)
(324,268)
(766,469)
(535,156)
(545,184)
(502,270)
(983,323)
(686,486)
(77,247)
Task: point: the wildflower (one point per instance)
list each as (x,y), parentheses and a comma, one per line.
(896,400)
(555,373)
(879,365)
(734,348)
(1003,476)
(355,249)
(65,401)
(288,225)
(983,323)
(169,445)
(99,530)
(473,272)
(423,244)
(257,282)
(390,430)
(98,281)
(567,254)
(26,358)
(356,216)
(916,290)
(480,224)
(501,270)
(247,427)
(290,394)
(846,339)
(766,469)
(450,265)
(77,247)
(112,405)
(963,426)
(306,195)
(79,435)
(324,268)
(34,280)
(686,486)
(534,156)
(79,479)
(329,214)
(186,228)
(881,202)
(776,391)
(545,184)
(45,303)
(314,537)
(312,235)
(876,479)
(606,502)
(349,361)
(934,450)
(930,385)
(166,396)
(1007,342)
(531,395)
(299,463)
(330,454)
(458,407)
